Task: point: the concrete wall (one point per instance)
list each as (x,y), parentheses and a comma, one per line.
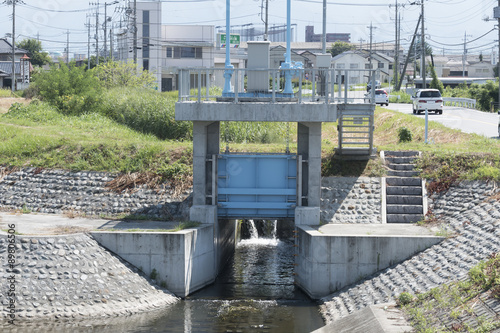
(185,261)
(329,262)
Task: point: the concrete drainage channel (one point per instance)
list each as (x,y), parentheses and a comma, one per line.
(196,255)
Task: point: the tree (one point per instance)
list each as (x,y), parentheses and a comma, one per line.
(435,83)
(341,47)
(34,48)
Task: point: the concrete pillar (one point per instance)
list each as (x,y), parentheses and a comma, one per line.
(309,146)
(205,144)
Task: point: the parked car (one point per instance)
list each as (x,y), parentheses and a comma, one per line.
(377,85)
(429,99)
(381,97)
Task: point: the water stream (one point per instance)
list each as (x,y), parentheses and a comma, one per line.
(254,293)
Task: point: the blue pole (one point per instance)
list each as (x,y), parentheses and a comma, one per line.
(287,65)
(228,73)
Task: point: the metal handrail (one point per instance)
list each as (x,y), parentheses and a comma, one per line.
(308,86)
(462,102)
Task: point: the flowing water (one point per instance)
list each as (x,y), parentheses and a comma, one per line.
(254,293)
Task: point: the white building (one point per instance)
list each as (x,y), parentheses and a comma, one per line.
(149,39)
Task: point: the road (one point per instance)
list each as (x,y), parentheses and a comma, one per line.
(466,120)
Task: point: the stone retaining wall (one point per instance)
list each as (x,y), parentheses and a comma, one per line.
(74,277)
(470,213)
(343,199)
(351,200)
(85,193)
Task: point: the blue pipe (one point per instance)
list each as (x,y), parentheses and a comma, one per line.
(228,73)
(287,65)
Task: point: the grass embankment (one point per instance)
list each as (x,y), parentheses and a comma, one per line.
(454,307)
(38,135)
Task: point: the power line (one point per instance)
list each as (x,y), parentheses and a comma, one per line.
(460,44)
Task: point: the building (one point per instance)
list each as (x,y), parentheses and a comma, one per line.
(21,63)
(330,37)
(148,49)
(358,64)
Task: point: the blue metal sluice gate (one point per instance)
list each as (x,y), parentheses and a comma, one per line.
(256,186)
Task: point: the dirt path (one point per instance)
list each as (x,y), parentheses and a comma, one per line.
(6,102)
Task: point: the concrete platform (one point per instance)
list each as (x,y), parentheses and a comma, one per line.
(333,256)
(50,224)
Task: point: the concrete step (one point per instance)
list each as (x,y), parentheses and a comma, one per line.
(404,218)
(403,173)
(401,167)
(403,181)
(403,190)
(397,153)
(404,209)
(400,160)
(404,200)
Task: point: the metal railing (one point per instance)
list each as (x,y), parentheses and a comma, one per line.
(461,102)
(309,85)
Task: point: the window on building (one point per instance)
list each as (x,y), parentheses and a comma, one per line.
(354,66)
(169,52)
(380,65)
(145,64)
(187,52)
(145,30)
(367,66)
(145,47)
(390,66)
(145,16)
(340,66)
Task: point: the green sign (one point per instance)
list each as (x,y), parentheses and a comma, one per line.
(233,39)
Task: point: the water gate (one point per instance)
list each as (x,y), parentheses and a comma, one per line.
(257,186)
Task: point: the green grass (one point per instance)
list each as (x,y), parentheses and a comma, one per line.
(39,136)
(5,93)
(455,300)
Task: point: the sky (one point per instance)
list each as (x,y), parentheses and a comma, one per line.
(448,23)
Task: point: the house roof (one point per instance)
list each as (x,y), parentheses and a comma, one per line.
(6,67)
(6,47)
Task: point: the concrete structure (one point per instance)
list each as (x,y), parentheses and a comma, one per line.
(330,37)
(334,256)
(185,261)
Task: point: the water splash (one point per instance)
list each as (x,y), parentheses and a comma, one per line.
(269,240)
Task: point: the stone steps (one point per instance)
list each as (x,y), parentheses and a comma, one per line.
(404,202)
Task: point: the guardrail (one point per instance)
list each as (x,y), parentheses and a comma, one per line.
(309,85)
(461,102)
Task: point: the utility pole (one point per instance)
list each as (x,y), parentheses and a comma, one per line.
(497,11)
(361,40)
(111,44)
(371,41)
(464,57)
(323,37)
(88,44)
(135,33)
(423,47)
(397,33)
(96,31)
(67,48)
(14,82)
(105,30)
(398,87)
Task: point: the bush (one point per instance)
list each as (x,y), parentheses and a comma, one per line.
(253,132)
(404,135)
(405,298)
(146,111)
(72,89)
